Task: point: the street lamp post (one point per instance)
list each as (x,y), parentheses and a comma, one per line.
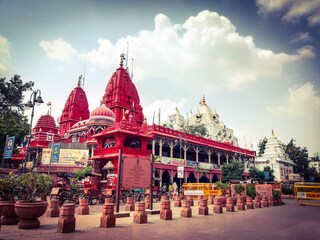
(35,98)
(180,140)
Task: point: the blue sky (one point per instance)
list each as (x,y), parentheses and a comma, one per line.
(256,62)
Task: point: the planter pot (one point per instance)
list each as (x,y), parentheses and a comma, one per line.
(8,216)
(29,212)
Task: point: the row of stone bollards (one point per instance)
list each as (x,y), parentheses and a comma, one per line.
(67,221)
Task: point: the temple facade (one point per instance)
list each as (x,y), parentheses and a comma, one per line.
(116,132)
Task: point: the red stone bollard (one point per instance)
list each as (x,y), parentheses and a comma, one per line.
(140,215)
(223,200)
(165,211)
(190,198)
(67,221)
(177,201)
(264,202)
(203,207)
(257,202)
(130,204)
(83,206)
(217,207)
(186,210)
(271,201)
(210,199)
(53,209)
(249,203)
(164,197)
(229,204)
(147,201)
(200,197)
(108,219)
(240,203)
(108,200)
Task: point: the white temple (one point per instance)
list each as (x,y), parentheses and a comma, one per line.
(275,157)
(207,117)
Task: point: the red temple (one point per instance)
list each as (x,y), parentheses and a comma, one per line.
(116,131)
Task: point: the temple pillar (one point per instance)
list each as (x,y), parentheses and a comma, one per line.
(219,162)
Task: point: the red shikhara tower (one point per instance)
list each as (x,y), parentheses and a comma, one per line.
(75,109)
(122,97)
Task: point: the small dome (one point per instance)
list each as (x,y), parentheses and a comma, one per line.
(102,112)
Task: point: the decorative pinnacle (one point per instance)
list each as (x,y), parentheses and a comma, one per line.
(122,56)
(79,80)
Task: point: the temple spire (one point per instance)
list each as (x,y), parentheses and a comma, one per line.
(122,56)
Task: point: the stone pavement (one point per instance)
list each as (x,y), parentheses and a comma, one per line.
(289,221)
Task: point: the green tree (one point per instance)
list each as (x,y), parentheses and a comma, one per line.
(255,173)
(262,146)
(12,120)
(200,130)
(300,157)
(232,171)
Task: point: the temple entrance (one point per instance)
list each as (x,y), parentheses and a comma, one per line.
(165,179)
(191,178)
(203,179)
(214,178)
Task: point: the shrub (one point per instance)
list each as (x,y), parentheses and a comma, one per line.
(251,191)
(287,189)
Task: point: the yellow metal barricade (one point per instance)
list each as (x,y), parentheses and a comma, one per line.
(197,189)
(306,193)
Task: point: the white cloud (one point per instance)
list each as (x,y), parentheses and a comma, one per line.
(166,106)
(302,102)
(302,37)
(5,56)
(58,50)
(206,51)
(293,9)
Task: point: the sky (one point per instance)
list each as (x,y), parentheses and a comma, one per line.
(255,61)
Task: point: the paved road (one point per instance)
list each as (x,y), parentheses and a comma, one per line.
(289,221)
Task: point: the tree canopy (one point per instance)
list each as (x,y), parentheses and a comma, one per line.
(232,171)
(200,130)
(262,146)
(12,120)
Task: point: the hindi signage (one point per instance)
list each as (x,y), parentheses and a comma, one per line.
(136,172)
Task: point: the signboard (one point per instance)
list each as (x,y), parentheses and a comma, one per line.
(173,161)
(309,195)
(193,192)
(136,172)
(55,153)
(264,190)
(180,172)
(66,157)
(266,175)
(294,177)
(206,166)
(193,164)
(9,148)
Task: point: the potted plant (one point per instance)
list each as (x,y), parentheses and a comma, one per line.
(239,188)
(251,191)
(8,185)
(31,207)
